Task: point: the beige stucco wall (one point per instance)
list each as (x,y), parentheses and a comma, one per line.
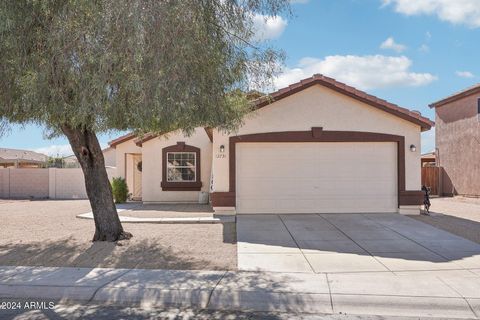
(23,183)
(318,106)
(70,183)
(152,166)
(50,183)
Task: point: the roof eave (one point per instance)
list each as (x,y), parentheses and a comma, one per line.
(425,123)
(122,139)
(457,96)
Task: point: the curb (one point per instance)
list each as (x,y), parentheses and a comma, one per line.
(191,220)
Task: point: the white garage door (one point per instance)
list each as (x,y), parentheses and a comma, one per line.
(316,177)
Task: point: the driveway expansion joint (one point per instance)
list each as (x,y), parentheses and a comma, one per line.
(350,238)
(408,238)
(296,243)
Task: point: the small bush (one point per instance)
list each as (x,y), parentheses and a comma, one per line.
(119,190)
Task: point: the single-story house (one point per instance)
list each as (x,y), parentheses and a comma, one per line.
(70,161)
(428,159)
(16,158)
(457,142)
(317,146)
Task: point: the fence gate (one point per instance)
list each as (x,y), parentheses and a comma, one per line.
(431,178)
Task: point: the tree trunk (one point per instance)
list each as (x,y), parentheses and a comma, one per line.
(88,152)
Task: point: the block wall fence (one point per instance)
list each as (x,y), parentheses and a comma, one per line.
(51,183)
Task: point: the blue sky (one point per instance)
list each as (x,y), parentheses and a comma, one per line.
(409,52)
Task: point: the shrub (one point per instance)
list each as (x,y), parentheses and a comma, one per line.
(119,190)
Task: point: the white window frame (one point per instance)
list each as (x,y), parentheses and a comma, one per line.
(191,167)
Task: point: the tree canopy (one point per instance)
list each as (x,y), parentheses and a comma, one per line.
(150,66)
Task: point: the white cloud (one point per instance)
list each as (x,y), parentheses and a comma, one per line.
(424,48)
(454,11)
(362,72)
(268,28)
(61,150)
(465,74)
(428,141)
(391,44)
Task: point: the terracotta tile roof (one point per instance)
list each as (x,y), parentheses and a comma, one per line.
(121,139)
(458,95)
(149,136)
(13,155)
(140,140)
(412,116)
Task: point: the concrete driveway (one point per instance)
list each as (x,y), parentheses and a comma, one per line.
(344,243)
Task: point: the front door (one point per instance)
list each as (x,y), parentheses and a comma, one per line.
(137,177)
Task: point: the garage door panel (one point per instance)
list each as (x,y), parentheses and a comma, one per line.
(321,205)
(263,187)
(316,177)
(330,187)
(279,206)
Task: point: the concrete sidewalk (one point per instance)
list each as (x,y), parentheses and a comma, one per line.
(446,294)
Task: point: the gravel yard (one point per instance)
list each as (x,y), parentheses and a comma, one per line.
(458,215)
(46,233)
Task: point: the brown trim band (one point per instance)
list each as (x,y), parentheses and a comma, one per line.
(410,197)
(222,199)
(319,135)
(181,186)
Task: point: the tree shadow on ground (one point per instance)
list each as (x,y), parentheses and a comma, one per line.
(243,295)
(95,312)
(146,254)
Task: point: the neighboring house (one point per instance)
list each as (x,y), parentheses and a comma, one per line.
(71,162)
(16,158)
(317,146)
(428,159)
(457,141)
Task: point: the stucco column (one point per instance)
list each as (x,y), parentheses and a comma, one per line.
(52,183)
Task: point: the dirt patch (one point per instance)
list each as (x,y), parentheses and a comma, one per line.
(46,233)
(460,216)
